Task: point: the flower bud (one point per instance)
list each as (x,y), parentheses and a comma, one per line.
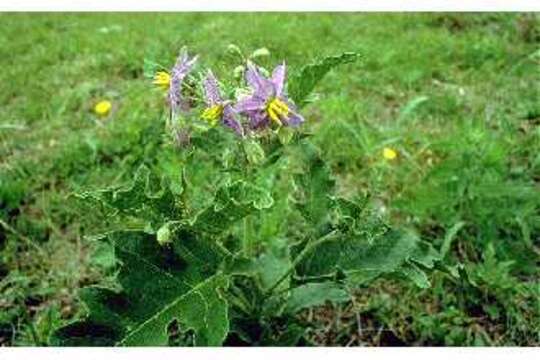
(239,71)
(164,235)
(234,49)
(260,53)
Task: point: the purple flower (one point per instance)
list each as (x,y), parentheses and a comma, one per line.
(268,103)
(216,108)
(178,73)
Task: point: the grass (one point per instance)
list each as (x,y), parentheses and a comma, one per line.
(456,95)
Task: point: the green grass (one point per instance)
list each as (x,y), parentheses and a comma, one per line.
(458,96)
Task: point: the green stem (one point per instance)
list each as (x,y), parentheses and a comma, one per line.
(248,237)
(309,247)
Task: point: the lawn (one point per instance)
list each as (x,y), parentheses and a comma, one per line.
(457,96)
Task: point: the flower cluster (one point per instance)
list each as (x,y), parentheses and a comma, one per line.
(264,105)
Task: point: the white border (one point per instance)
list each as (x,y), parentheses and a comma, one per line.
(269,353)
(270,5)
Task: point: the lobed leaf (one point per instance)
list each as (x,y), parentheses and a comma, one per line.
(158,285)
(146,198)
(232,203)
(364,249)
(303,83)
(360,259)
(314,294)
(314,185)
(202,309)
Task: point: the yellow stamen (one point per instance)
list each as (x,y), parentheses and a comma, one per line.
(103,108)
(162,79)
(271,112)
(276,110)
(389,154)
(212,114)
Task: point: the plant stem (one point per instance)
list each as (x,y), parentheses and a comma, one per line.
(248,237)
(309,247)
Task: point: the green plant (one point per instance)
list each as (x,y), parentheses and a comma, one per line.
(230,268)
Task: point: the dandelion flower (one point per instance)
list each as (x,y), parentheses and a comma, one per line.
(389,153)
(162,79)
(103,108)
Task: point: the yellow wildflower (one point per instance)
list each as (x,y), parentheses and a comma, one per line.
(212,114)
(389,153)
(162,79)
(103,108)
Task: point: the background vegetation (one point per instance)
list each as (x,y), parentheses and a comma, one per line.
(456,95)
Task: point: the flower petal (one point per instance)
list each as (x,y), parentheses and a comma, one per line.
(278,79)
(249,104)
(211,89)
(230,120)
(178,73)
(294,119)
(262,86)
(258,120)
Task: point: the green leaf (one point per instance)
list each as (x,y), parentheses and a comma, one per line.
(271,266)
(353,216)
(360,246)
(417,276)
(150,68)
(450,236)
(425,255)
(146,198)
(303,83)
(314,294)
(411,106)
(362,259)
(254,152)
(159,284)
(103,256)
(232,203)
(240,265)
(202,309)
(314,185)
